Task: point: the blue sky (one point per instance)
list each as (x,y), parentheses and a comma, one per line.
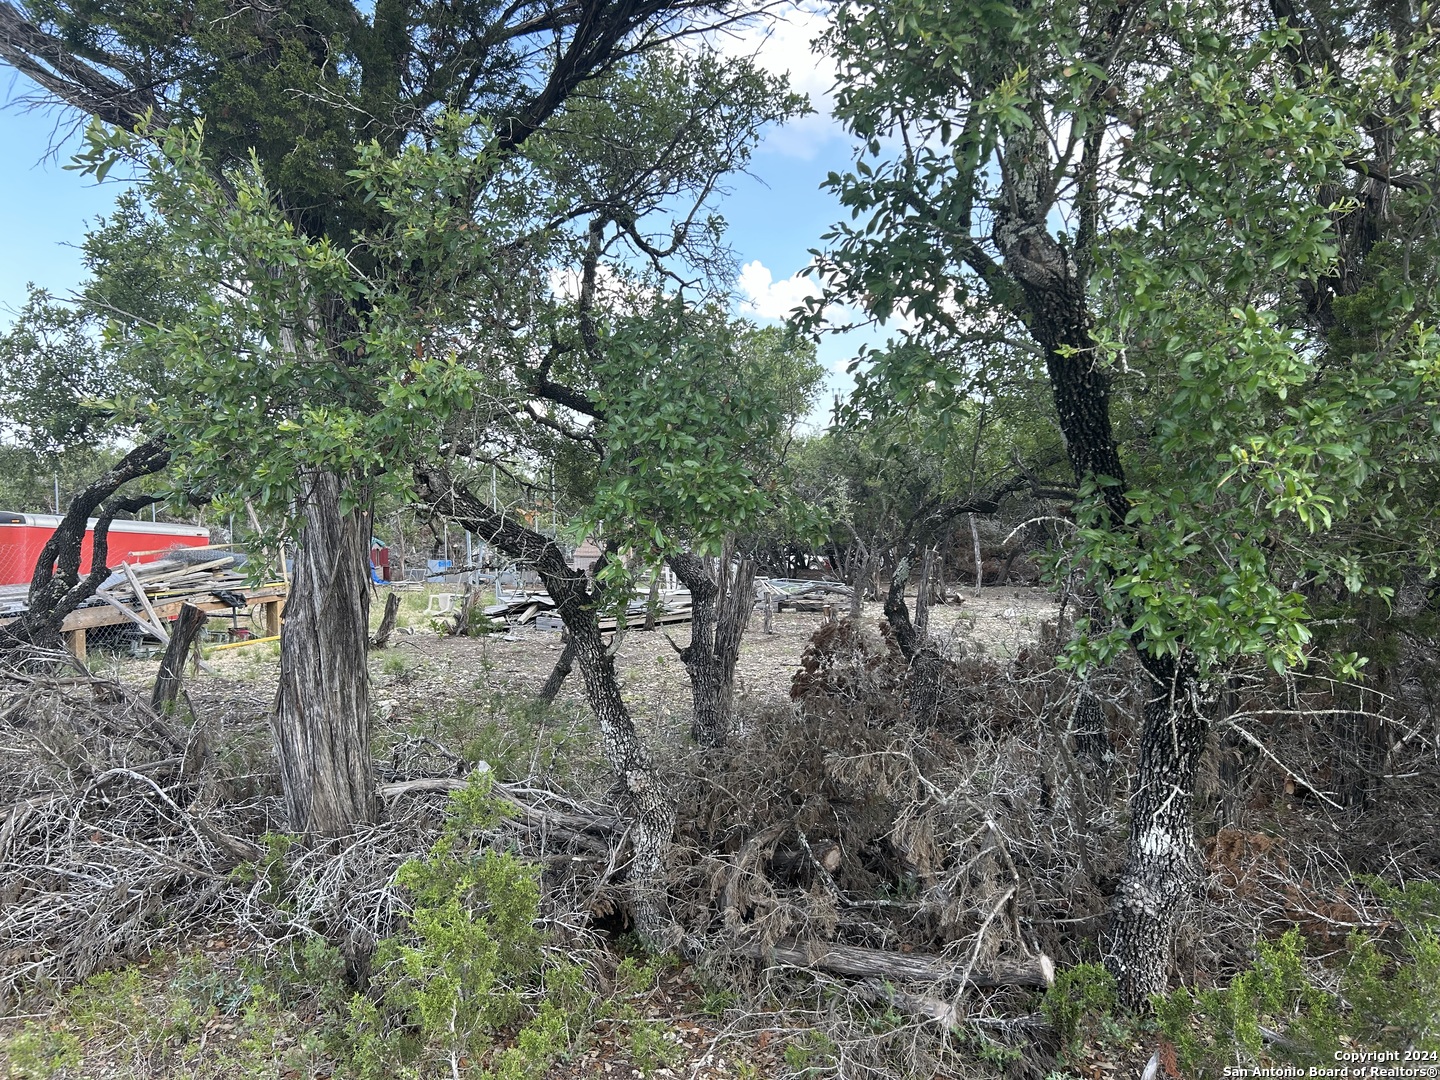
(776,214)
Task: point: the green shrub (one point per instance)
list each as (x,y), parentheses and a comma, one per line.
(1080,999)
(471,965)
(1387,998)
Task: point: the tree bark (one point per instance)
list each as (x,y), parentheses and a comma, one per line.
(551,690)
(922,594)
(387,620)
(56,588)
(183,633)
(643,800)
(854,960)
(1161,868)
(979,563)
(721,602)
(921,653)
(322,710)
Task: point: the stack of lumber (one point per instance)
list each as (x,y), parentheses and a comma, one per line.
(519,609)
(674,607)
(136,591)
(801,595)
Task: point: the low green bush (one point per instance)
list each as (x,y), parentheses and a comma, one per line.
(470,968)
(1382,994)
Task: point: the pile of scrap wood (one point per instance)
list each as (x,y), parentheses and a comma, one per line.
(795,594)
(138,591)
(672,606)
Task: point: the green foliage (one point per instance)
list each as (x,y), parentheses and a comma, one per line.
(1387,998)
(1081,997)
(470,964)
(810,1055)
(270,868)
(39,1051)
(1270,370)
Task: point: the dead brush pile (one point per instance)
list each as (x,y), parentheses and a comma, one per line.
(974,838)
(124,832)
(111,840)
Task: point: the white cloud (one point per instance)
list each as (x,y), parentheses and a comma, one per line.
(771,299)
(785,46)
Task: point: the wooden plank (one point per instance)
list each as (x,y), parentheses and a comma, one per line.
(75,642)
(145,601)
(272,618)
(129,614)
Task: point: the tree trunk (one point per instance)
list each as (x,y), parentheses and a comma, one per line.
(1092,740)
(551,690)
(322,711)
(183,633)
(979,563)
(56,588)
(922,594)
(922,654)
(644,802)
(387,620)
(652,604)
(859,570)
(721,603)
(1161,869)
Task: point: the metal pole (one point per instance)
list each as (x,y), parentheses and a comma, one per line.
(494,502)
(57,492)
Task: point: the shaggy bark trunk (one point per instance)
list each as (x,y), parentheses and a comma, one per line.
(645,804)
(1161,868)
(721,603)
(563,666)
(183,633)
(322,711)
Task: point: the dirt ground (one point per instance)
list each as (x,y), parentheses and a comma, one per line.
(998,622)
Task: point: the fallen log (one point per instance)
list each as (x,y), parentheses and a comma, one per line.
(858,962)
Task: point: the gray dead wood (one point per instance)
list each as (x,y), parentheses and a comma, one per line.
(852,960)
(187,628)
(387,621)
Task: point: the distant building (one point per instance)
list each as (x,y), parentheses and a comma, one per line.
(585,555)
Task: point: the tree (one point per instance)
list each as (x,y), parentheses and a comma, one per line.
(330,304)
(1161,200)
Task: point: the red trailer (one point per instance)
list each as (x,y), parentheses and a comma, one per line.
(22,536)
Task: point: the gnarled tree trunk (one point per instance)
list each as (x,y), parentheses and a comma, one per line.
(916,645)
(646,805)
(322,711)
(721,598)
(56,587)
